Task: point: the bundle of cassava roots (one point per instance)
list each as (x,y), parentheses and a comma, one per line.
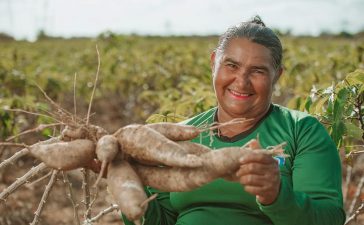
(158,155)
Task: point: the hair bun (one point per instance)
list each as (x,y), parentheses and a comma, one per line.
(257,20)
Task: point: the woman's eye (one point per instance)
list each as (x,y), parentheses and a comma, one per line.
(258,71)
(232,66)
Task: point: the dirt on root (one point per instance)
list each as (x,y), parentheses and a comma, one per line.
(20,206)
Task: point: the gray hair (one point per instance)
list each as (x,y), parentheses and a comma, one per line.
(255,31)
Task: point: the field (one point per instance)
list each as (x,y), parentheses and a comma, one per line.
(150,79)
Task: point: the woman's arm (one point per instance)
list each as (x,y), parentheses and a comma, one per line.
(312,195)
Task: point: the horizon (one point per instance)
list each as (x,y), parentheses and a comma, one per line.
(24,19)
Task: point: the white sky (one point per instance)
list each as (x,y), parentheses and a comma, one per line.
(24,18)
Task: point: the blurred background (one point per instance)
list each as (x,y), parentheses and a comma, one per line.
(154,60)
(24,19)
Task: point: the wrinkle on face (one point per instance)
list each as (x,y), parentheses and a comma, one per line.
(244,78)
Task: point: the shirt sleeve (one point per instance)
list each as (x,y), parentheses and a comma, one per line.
(312,195)
(159,212)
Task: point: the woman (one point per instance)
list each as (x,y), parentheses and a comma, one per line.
(303,189)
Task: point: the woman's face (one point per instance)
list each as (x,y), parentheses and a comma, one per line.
(243,78)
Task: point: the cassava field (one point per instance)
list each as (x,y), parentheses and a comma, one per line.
(147,80)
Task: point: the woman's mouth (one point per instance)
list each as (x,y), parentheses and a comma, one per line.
(239,95)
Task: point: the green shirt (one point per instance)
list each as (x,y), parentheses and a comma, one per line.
(310,179)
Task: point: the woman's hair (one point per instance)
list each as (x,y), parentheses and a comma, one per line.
(255,31)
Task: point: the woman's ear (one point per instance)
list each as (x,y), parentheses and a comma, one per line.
(278,74)
(212,61)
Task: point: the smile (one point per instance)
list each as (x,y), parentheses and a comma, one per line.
(239,95)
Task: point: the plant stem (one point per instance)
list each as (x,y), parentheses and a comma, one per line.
(71,197)
(356,196)
(86,192)
(45,197)
(357,212)
(22,180)
(104,212)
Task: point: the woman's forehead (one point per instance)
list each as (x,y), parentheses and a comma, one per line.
(241,48)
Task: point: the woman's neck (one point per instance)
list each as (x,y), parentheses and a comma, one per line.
(235,129)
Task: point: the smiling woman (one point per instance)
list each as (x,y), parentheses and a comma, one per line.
(304,189)
(245,66)
(243,80)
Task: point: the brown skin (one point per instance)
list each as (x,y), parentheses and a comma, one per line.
(65,155)
(217,164)
(177,179)
(175,131)
(127,189)
(194,148)
(106,150)
(189,147)
(72,134)
(146,144)
(173,179)
(244,78)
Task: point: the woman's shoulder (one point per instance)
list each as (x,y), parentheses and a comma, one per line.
(297,121)
(292,114)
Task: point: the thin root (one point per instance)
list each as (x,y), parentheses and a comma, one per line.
(152,197)
(216,125)
(53,103)
(31,113)
(36,129)
(95,84)
(278,150)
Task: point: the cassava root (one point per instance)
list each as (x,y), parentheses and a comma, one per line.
(178,164)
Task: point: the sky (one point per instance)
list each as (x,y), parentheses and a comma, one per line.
(68,18)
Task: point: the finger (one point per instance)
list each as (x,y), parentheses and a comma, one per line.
(263,189)
(254,144)
(253,180)
(257,156)
(254,168)
(254,190)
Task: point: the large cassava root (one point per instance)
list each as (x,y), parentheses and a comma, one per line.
(177,164)
(146,144)
(65,155)
(25,151)
(175,132)
(220,163)
(127,189)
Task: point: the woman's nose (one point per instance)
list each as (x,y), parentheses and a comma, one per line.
(243,79)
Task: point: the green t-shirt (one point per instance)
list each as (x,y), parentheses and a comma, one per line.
(310,191)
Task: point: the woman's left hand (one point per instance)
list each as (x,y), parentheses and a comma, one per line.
(259,174)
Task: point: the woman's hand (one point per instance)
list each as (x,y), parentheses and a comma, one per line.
(259,174)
